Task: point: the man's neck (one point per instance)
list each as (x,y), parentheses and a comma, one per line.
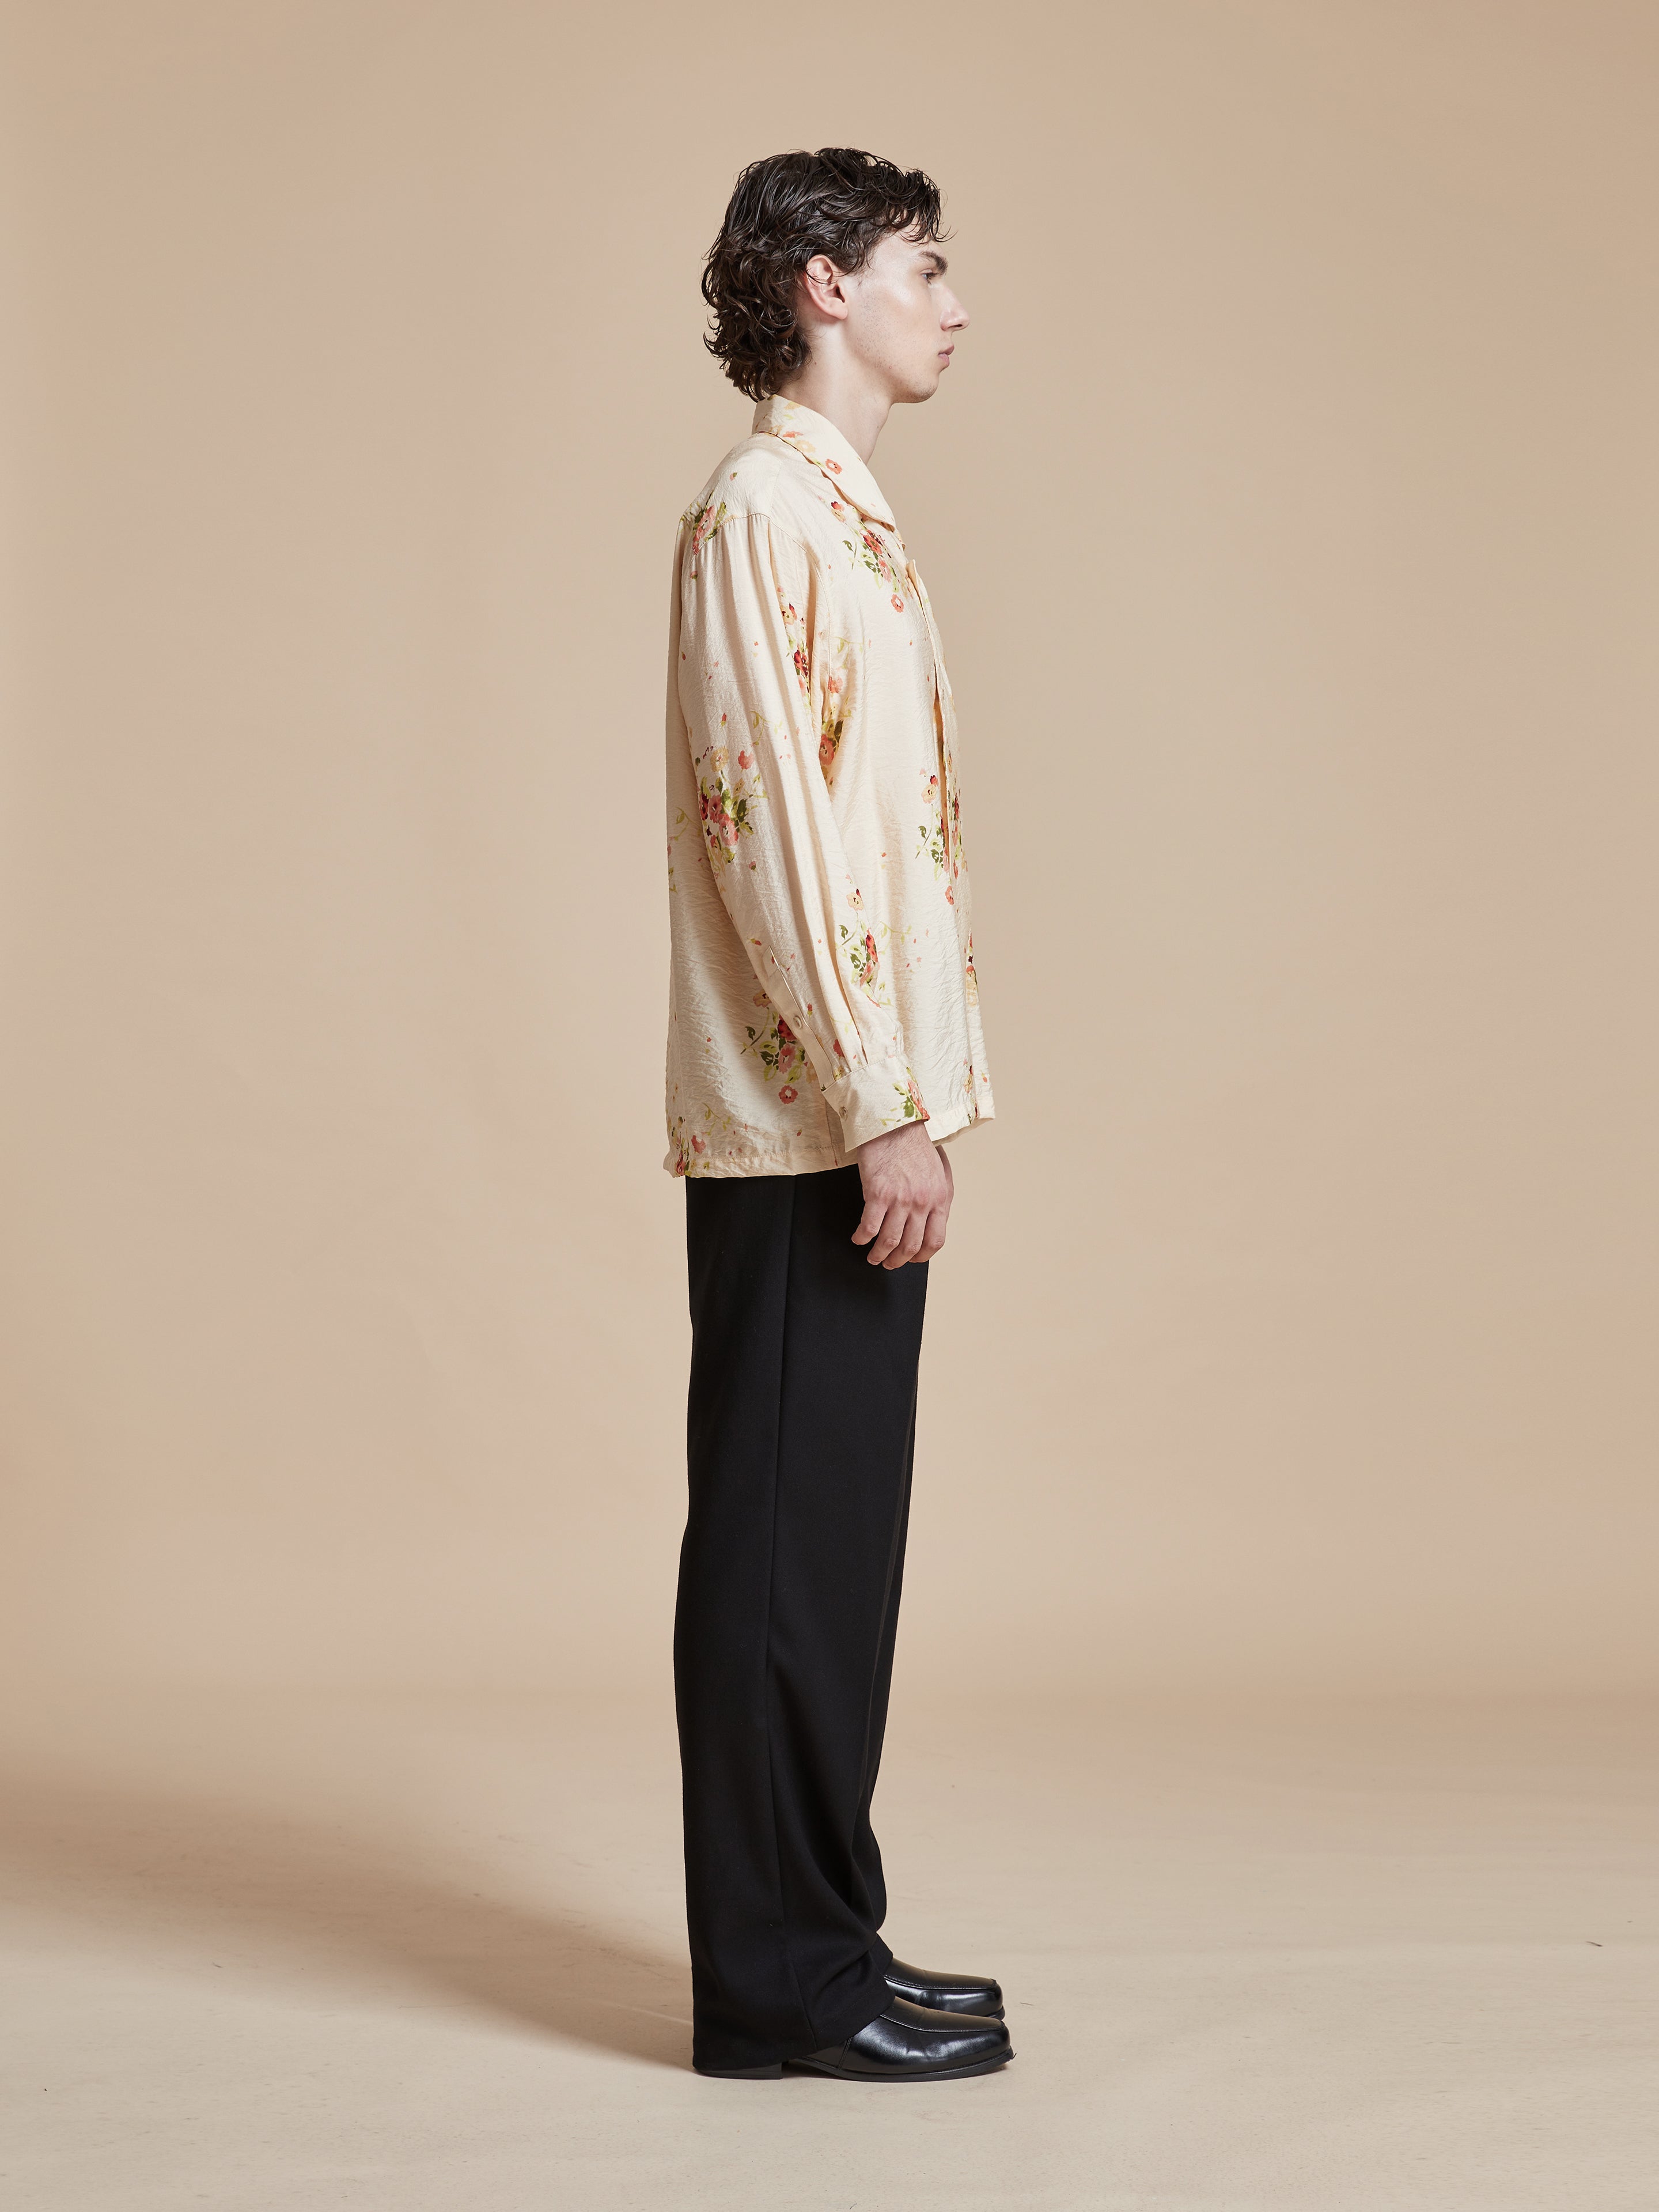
(858,409)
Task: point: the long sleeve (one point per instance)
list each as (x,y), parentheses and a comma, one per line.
(752,699)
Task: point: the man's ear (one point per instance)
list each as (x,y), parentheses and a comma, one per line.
(821,281)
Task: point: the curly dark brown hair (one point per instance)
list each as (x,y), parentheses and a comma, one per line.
(784,209)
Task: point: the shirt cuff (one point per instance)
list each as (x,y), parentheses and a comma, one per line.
(875,1096)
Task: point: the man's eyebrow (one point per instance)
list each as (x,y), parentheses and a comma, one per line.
(938,260)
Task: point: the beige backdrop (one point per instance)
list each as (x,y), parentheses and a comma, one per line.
(1290,513)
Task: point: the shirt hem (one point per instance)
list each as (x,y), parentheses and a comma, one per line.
(816,1159)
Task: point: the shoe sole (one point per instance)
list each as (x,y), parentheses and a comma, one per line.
(775,2071)
(919,2074)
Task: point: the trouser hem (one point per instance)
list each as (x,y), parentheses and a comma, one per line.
(727,2053)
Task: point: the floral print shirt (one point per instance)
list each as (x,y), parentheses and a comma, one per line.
(822,986)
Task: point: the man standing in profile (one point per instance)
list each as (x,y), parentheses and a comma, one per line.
(824,1039)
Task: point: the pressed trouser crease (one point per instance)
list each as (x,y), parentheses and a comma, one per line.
(800,1440)
(881,1679)
(771,1718)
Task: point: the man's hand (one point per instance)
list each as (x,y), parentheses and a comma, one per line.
(908,1189)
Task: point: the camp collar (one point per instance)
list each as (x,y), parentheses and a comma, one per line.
(818,441)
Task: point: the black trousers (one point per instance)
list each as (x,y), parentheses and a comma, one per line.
(800,1431)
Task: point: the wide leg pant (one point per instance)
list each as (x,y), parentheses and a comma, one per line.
(801,1427)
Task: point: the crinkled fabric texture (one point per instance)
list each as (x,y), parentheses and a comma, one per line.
(822,986)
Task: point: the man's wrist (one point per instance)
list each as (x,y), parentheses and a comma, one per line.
(903,1131)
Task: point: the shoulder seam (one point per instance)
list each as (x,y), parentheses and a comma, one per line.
(778,529)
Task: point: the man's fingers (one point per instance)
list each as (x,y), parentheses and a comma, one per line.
(892,1231)
(934,1240)
(905,1209)
(870,1220)
(908,1244)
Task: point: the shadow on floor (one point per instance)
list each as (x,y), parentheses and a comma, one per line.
(228,1882)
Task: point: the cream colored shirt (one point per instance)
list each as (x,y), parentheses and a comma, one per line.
(822,986)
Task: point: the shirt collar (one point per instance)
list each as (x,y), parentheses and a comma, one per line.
(820,442)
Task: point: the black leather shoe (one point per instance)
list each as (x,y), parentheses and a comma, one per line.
(913,2043)
(946,1992)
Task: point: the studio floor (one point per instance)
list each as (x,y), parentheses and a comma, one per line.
(423,1953)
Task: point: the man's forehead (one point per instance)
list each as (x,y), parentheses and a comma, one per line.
(921,250)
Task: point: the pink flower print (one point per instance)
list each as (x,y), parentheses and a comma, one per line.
(789,1094)
(700,1144)
(745,759)
(704,523)
(785,1034)
(834,467)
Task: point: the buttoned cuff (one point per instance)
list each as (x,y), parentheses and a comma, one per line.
(875,1096)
